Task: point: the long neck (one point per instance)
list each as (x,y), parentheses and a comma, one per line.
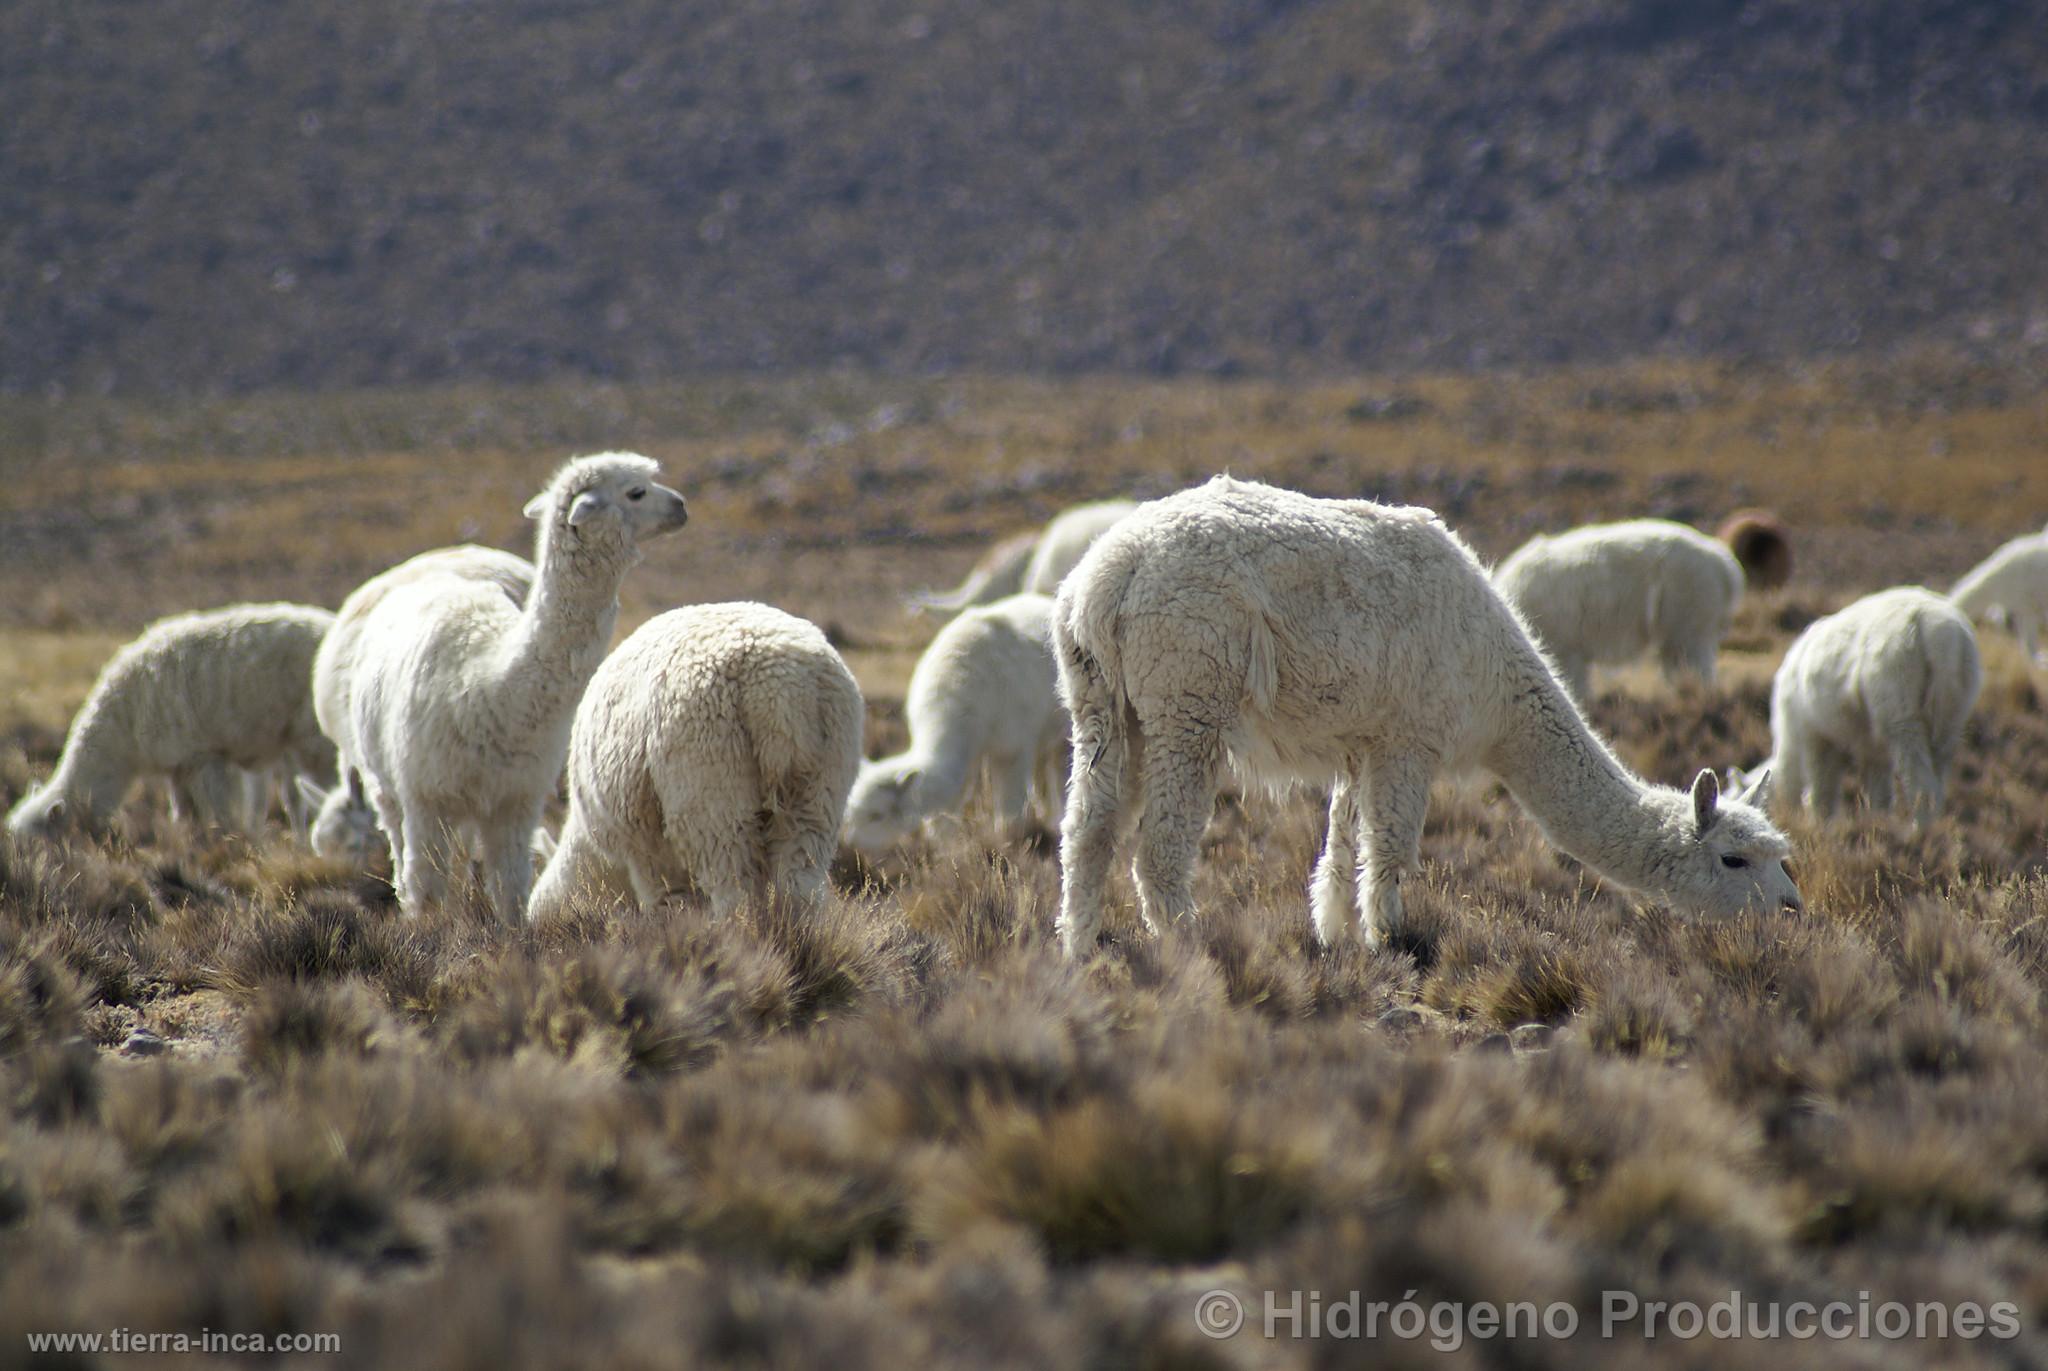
(1972,593)
(565,627)
(1587,802)
(942,772)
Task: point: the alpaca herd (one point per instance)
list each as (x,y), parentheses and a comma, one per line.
(1107,670)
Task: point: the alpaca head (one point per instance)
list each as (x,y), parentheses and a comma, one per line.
(1732,857)
(41,813)
(608,503)
(343,827)
(879,810)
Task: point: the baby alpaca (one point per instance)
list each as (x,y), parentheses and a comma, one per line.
(461,702)
(717,744)
(2013,583)
(343,825)
(193,698)
(1881,689)
(985,694)
(1361,646)
(1609,592)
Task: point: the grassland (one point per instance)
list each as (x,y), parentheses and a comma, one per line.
(238,1092)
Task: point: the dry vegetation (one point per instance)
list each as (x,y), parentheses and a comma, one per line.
(238,1092)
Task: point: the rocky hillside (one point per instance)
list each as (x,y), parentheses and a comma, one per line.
(226,194)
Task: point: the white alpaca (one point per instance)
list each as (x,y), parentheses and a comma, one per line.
(194,698)
(1357,645)
(461,702)
(1034,562)
(1882,690)
(343,824)
(1610,592)
(717,744)
(2012,583)
(985,695)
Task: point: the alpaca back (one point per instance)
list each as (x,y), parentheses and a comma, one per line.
(1900,662)
(1607,592)
(1312,630)
(231,683)
(2014,578)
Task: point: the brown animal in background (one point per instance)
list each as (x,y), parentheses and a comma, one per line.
(1761,542)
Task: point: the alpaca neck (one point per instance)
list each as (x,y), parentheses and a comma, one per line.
(565,628)
(1586,801)
(942,776)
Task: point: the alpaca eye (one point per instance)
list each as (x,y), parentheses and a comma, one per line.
(1733,862)
(636,493)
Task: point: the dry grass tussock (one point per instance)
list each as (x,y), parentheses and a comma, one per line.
(237,1091)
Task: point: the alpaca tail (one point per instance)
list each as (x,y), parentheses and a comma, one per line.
(1087,626)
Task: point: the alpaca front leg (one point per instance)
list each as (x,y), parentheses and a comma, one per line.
(1333,895)
(1102,805)
(1180,791)
(1828,769)
(2028,626)
(1010,793)
(422,872)
(1390,829)
(508,866)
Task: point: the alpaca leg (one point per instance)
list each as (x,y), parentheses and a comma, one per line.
(423,870)
(1790,774)
(204,792)
(506,851)
(1829,765)
(1103,803)
(1689,657)
(801,847)
(1333,897)
(389,818)
(1009,791)
(1180,791)
(1391,812)
(1912,763)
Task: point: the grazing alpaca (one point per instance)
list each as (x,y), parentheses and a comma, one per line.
(1609,592)
(2012,583)
(984,696)
(1882,688)
(1358,645)
(461,701)
(717,745)
(193,698)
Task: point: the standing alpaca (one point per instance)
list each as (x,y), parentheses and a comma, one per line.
(343,825)
(716,745)
(1609,592)
(985,695)
(462,702)
(1358,645)
(193,698)
(2011,583)
(1883,687)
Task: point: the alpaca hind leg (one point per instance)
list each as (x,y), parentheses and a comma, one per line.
(1103,804)
(801,846)
(1390,830)
(506,851)
(1333,897)
(1009,792)
(1180,791)
(1912,764)
(1829,764)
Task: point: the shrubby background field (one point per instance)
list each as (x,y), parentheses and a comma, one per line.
(908,1133)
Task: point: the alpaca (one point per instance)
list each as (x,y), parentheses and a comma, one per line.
(1608,592)
(1883,687)
(1762,546)
(1357,645)
(717,744)
(2012,583)
(195,698)
(343,826)
(1033,562)
(462,702)
(985,694)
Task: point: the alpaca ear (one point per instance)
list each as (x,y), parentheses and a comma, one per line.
(1706,800)
(537,506)
(585,506)
(1756,788)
